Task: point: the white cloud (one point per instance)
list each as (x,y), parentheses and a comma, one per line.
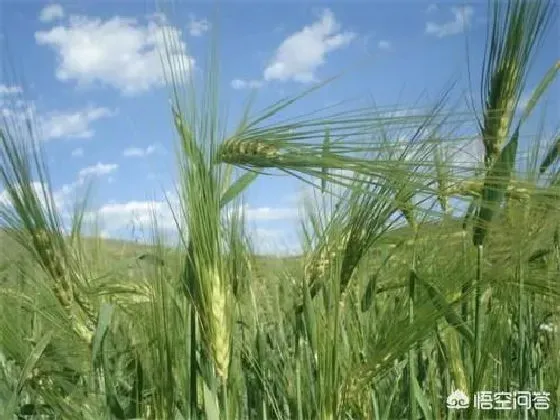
(37,187)
(266,214)
(303,52)
(405,112)
(246,84)
(78,152)
(275,241)
(197,27)
(432,8)
(139,152)
(119,52)
(270,214)
(65,195)
(98,169)
(115,216)
(60,197)
(384,45)
(76,124)
(465,155)
(17,110)
(4,198)
(9,90)
(55,124)
(51,12)
(462,19)
(140,214)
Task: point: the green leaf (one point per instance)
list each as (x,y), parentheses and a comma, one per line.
(369,294)
(309,317)
(325,170)
(421,399)
(495,186)
(103,322)
(28,367)
(469,213)
(389,403)
(552,155)
(237,187)
(440,302)
(540,89)
(442,176)
(210,404)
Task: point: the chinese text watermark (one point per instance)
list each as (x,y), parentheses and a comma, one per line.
(500,400)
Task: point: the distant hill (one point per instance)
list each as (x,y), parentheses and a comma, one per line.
(119,249)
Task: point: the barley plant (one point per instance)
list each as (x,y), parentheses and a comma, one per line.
(423,273)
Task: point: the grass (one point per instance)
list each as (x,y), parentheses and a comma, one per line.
(400,296)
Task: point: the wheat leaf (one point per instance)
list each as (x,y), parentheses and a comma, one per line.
(238,186)
(495,186)
(440,302)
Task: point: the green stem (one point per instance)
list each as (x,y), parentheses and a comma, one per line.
(523,358)
(193,368)
(224,399)
(464,301)
(477,327)
(412,371)
(298,379)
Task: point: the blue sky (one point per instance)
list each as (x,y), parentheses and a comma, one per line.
(93,79)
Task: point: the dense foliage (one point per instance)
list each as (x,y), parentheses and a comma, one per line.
(423,272)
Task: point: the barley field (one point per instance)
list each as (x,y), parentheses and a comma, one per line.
(428,286)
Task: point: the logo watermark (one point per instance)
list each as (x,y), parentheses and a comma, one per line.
(500,400)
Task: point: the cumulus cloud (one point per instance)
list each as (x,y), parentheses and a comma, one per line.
(9,90)
(120,52)
(60,197)
(462,17)
(51,13)
(37,187)
(266,214)
(385,45)
(72,124)
(139,152)
(17,110)
(432,8)
(302,53)
(118,217)
(65,195)
(270,213)
(404,112)
(464,156)
(275,241)
(78,152)
(98,170)
(246,84)
(55,124)
(197,27)
(140,214)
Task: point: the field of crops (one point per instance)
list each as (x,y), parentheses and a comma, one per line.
(425,274)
